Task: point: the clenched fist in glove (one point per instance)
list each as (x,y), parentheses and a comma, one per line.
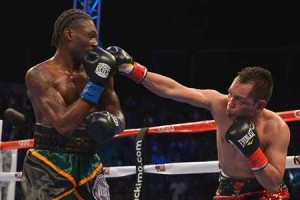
(127,66)
(102,126)
(242,134)
(99,65)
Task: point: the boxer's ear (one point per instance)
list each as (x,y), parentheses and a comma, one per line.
(260,105)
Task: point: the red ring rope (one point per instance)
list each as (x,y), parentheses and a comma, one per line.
(192,127)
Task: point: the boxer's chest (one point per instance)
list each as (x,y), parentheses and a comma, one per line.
(70,86)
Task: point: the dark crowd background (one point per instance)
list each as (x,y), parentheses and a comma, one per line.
(201,44)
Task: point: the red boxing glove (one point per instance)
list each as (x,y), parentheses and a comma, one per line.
(137,72)
(126,65)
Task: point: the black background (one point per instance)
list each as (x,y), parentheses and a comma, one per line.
(199,43)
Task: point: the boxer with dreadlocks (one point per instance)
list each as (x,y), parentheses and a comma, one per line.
(76,110)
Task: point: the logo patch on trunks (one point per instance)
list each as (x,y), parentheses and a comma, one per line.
(238,186)
(101,188)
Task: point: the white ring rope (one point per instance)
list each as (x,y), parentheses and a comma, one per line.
(167,168)
(164,169)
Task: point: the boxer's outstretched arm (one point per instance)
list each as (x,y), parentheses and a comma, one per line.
(169,88)
(161,85)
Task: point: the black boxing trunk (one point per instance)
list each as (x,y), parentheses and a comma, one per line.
(246,189)
(47,138)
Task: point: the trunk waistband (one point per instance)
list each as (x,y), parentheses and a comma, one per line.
(229,186)
(47,138)
(235,186)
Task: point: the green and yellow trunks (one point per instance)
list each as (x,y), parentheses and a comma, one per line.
(64,176)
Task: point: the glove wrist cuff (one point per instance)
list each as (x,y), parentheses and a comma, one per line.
(92,92)
(257,160)
(138,73)
(119,129)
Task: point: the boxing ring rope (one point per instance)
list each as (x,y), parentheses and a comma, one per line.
(185,128)
(167,168)
(163,169)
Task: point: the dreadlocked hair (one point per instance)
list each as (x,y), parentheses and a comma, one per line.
(64,20)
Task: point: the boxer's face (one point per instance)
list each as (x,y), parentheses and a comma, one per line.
(240,103)
(82,37)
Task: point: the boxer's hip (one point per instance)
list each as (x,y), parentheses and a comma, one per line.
(240,188)
(47,138)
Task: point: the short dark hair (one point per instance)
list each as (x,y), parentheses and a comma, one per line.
(261,79)
(64,20)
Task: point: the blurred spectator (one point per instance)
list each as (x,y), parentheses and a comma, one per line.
(178,188)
